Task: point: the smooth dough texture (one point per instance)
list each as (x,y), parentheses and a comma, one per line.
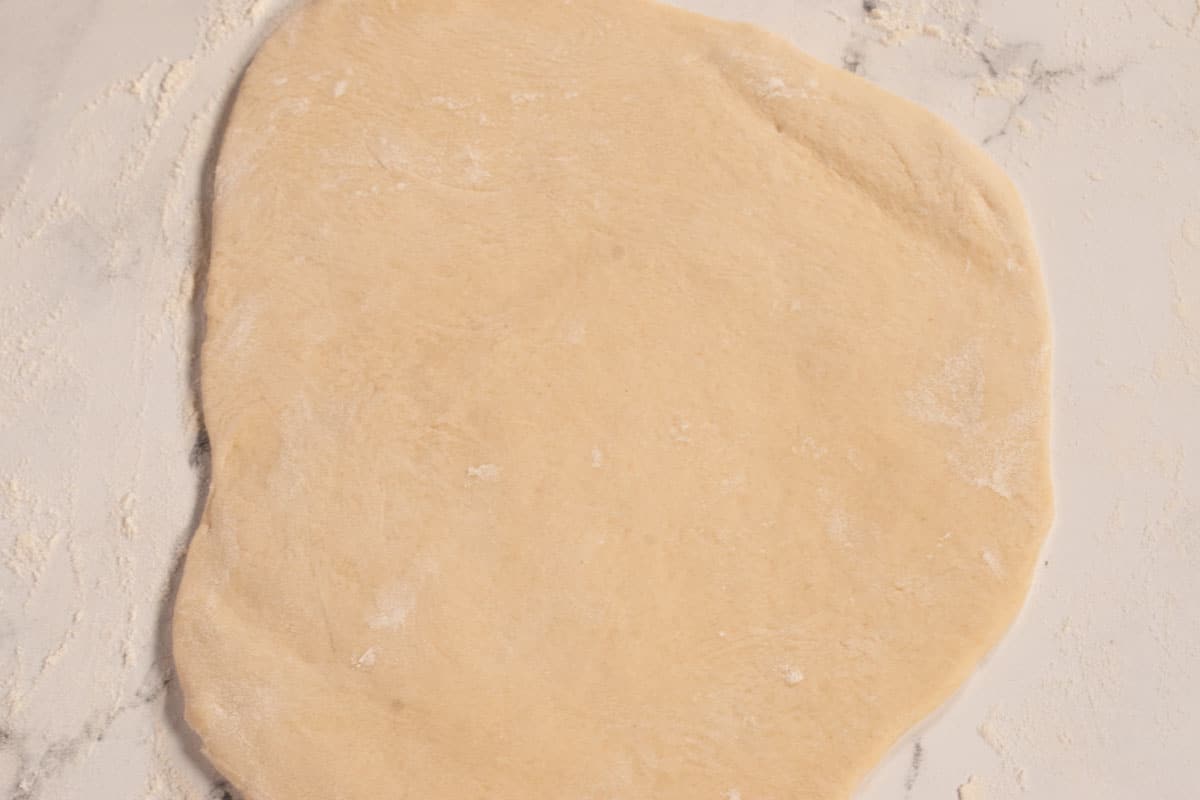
(606,403)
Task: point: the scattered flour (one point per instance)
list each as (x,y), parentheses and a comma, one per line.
(792,676)
(128,521)
(1009,87)
(987,731)
(487,473)
(576,332)
(899,21)
(392,608)
(32,526)
(972,790)
(367,659)
(953,394)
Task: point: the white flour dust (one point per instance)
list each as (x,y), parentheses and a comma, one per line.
(100,457)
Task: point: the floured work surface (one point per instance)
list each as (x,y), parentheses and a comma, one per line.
(606,402)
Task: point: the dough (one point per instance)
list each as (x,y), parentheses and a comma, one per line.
(607,403)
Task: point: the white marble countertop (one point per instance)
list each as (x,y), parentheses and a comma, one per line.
(107,114)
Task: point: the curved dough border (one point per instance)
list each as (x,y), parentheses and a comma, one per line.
(605,401)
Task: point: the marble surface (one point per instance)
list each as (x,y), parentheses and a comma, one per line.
(107,115)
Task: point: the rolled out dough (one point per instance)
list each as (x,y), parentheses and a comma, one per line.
(607,403)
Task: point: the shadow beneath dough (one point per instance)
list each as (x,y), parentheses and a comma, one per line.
(201,463)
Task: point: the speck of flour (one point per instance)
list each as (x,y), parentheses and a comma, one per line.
(486,473)
(972,790)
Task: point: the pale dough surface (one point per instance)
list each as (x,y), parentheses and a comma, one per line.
(607,403)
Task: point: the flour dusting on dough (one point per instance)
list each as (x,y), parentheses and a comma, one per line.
(953,395)
(990,454)
(837,526)
(810,448)
(997,456)
(367,659)
(392,607)
(488,473)
(576,332)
